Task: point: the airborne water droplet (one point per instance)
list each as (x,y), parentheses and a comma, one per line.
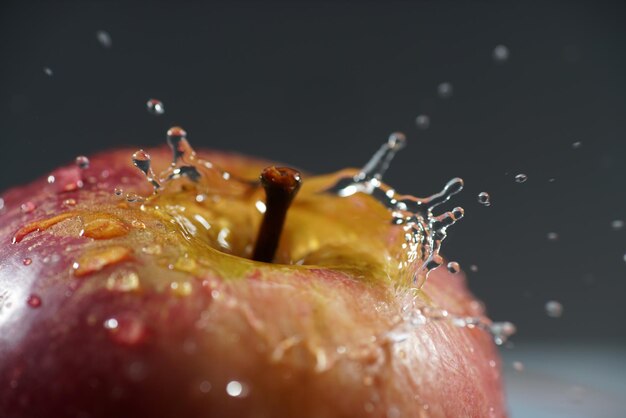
(48,71)
(554,309)
(445,90)
(577,144)
(454,267)
(552,236)
(521,178)
(518,366)
(422,122)
(484,199)
(502,331)
(82,162)
(104,38)
(155,107)
(617,224)
(501,53)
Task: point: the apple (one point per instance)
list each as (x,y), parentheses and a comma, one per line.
(198,294)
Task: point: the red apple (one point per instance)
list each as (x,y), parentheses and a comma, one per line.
(110,308)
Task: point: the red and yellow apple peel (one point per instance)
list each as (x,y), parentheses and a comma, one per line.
(149,301)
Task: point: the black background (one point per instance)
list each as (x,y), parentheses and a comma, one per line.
(320,85)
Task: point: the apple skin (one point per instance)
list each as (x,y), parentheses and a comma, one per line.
(308,342)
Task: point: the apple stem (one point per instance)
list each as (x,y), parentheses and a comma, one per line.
(281,185)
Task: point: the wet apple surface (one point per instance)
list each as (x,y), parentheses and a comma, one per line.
(116,300)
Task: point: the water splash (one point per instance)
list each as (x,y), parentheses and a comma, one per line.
(207,177)
(423,231)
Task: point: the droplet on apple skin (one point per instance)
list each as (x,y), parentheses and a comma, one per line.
(34,301)
(454,267)
(28,207)
(126,329)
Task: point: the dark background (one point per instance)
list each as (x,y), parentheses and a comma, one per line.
(320,85)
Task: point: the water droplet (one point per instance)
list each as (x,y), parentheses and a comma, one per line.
(554,309)
(133,197)
(28,207)
(501,54)
(617,224)
(123,281)
(205,386)
(445,90)
(1,204)
(393,412)
(27,261)
(126,329)
(502,331)
(492,363)
(69,202)
(152,249)
(521,178)
(142,161)
(175,136)
(518,366)
(181,288)
(423,231)
(474,268)
(552,236)
(110,324)
(104,38)
(577,144)
(82,162)
(34,301)
(155,107)
(453,267)
(484,199)
(118,192)
(48,71)
(422,122)
(236,389)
